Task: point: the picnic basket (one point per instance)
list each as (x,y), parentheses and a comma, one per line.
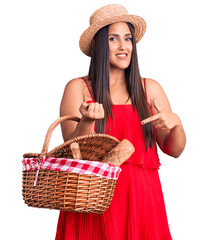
(55,180)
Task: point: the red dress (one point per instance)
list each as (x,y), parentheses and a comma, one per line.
(137,210)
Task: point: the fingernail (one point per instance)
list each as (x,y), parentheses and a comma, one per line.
(142,122)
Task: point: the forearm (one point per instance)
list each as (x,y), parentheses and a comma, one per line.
(175,141)
(84,127)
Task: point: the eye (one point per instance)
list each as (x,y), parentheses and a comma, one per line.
(112,39)
(128,39)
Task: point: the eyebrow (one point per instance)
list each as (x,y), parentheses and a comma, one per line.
(114,34)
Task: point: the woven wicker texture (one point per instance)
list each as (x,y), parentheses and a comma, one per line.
(106,15)
(70,191)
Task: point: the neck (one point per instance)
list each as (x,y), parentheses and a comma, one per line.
(116,76)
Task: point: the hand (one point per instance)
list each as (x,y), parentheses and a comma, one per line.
(162,120)
(91,111)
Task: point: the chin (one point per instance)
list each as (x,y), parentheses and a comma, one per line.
(120,66)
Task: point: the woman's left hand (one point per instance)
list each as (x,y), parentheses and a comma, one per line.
(162,120)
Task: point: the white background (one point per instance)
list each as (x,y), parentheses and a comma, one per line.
(39,54)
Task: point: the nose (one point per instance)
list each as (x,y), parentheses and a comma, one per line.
(122,45)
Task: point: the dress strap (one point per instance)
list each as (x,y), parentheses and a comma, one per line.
(89,91)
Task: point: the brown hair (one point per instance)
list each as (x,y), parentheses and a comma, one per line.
(99,77)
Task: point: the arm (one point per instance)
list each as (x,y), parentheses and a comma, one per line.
(72,104)
(170,134)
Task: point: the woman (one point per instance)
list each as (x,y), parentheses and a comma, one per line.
(116,100)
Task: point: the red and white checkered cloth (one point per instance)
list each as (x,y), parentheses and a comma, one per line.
(73,165)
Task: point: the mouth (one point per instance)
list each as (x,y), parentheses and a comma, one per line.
(122,55)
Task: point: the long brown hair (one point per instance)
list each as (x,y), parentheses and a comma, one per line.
(99,77)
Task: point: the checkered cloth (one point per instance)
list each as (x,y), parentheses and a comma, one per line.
(73,165)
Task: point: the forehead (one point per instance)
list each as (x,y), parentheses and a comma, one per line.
(119,27)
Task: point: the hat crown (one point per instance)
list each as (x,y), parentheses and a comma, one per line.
(108,11)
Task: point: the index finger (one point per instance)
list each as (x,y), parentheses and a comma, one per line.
(150,119)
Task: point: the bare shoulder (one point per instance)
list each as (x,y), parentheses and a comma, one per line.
(152,84)
(76,83)
(155,90)
(72,97)
(79,86)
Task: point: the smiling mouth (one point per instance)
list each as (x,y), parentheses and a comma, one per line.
(122,56)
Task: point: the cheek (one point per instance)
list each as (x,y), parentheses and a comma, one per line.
(130,48)
(111,48)
(111,52)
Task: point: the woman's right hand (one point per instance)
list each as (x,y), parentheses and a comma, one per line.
(92,111)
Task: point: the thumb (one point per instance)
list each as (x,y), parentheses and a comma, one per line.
(85,104)
(83,107)
(156,105)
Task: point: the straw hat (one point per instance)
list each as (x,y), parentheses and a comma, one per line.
(106,15)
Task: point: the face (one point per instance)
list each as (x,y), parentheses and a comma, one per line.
(120,45)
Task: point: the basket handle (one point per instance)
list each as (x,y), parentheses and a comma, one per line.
(50,131)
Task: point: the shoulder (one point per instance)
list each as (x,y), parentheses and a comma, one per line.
(153,89)
(73,90)
(75,83)
(78,89)
(152,84)
(72,97)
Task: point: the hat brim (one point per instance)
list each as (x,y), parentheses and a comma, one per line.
(88,35)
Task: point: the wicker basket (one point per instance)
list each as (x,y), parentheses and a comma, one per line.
(68,190)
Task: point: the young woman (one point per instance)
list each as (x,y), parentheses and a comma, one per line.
(116,100)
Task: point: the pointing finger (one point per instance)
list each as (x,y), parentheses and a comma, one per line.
(150,119)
